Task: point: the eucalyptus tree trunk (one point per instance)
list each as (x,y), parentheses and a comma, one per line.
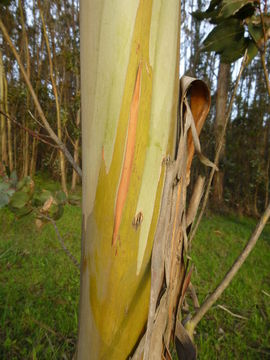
(9,132)
(52,69)
(25,142)
(3,133)
(76,153)
(129,84)
(221,105)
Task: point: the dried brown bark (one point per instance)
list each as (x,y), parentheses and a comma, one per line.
(169,265)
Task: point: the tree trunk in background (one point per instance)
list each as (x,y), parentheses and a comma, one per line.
(76,153)
(57,104)
(74,21)
(27,60)
(267,161)
(33,161)
(130,80)
(4,154)
(9,135)
(221,105)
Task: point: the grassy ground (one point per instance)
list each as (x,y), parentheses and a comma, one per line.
(39,289)
(220,335)
(39,285)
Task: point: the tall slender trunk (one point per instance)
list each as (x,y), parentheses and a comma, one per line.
(266,156)
(59,125)
(28,71)
(9,134)
(221,105)
(266,199)
(15,148)
(4,154)
(33,162)
(255,201)
(78,115)
(76,152)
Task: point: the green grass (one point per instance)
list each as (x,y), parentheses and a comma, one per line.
(39,288)
(220,335)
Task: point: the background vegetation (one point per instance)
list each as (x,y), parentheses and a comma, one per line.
(39,289)
(39,286)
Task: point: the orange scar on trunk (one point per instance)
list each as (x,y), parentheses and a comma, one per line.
(129,156)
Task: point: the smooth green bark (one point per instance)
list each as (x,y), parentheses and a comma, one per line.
(129,67)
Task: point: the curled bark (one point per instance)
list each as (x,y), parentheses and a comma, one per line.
(168,266)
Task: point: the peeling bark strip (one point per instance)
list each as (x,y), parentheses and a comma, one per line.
(168,265)
(129,156)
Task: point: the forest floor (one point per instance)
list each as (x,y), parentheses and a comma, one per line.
(39,289)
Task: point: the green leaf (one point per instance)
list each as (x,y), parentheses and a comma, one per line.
(212,11)
(255,31)
(252,51)
(74,199)
(19,200)
(56,211)
(5,2)
(4,200)
(245,12)
(231,7)
(23,211)
(13,178)
(226,34)
(4,186)
(60,197)
(23,182)
(213,4)
(40,198)
(10,192)
(235,51)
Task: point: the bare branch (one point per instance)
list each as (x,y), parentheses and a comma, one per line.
(265,293)
(31,132)
(72,258)
(190,326)
(37,104)
(207,192)
(194,296)
(231,313)
(36,120)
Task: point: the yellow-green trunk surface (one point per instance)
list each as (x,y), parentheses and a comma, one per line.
(129,75)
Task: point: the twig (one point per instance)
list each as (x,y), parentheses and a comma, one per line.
(259,350)
(36,120)
(265,293)
(265,73)
(264,31)
(31,132)
(231,313)
(69,137)
(52,134)
(72,258)
(206,196)
(230,274)
(46,327)
(194,296)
